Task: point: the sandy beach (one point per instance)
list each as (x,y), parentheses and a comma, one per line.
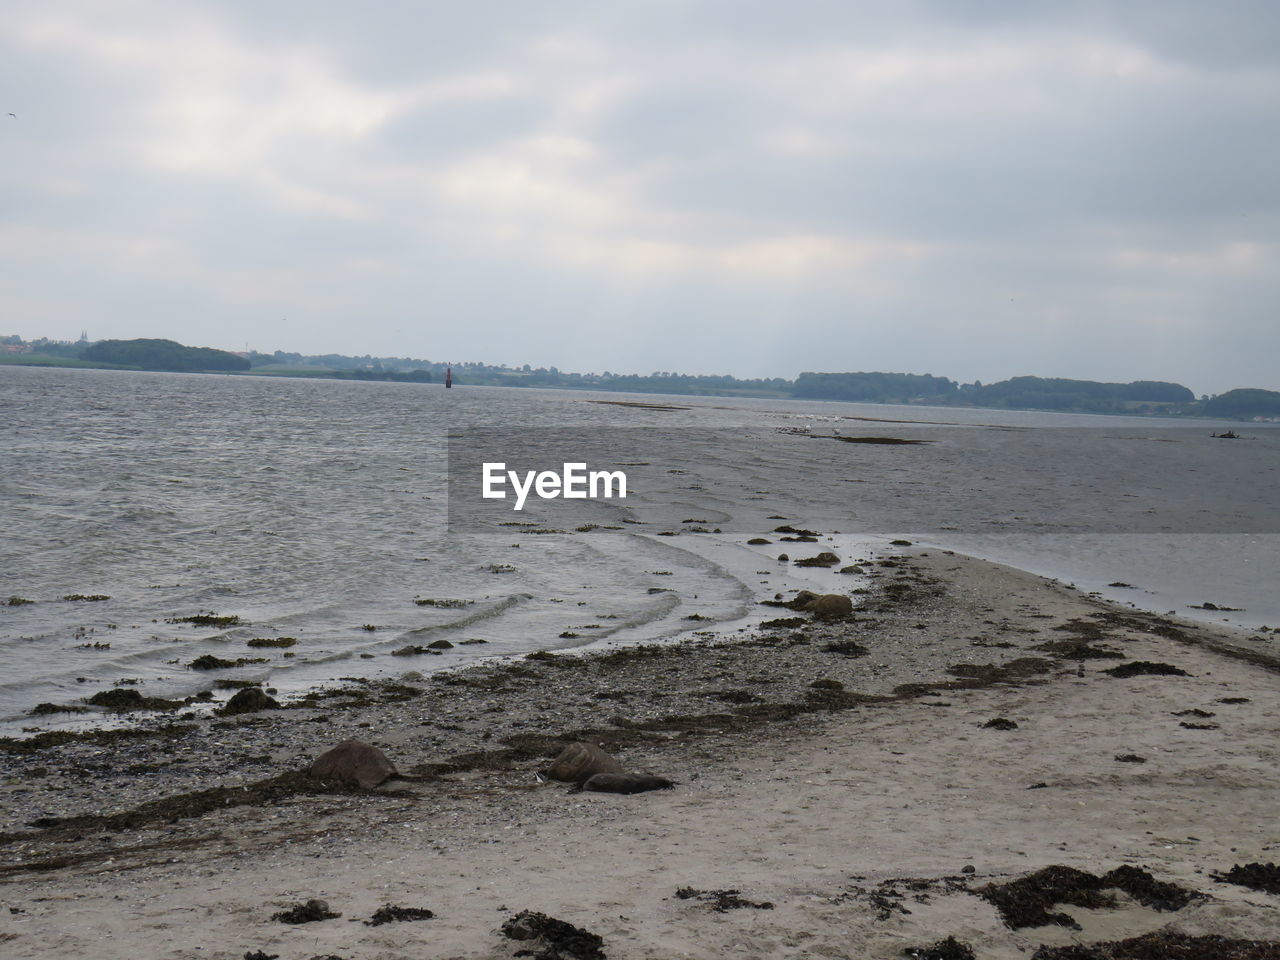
(870,812)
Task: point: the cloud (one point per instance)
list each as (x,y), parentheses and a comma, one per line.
(746,178)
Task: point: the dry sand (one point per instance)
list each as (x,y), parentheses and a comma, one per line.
(854,819)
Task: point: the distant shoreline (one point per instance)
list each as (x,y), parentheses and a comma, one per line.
(46,361)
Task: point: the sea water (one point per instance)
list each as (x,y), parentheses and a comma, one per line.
(319,510)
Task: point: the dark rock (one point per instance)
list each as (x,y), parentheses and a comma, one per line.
(249,700)
(1000,723)
(824,559)
(579,762)
(353,762)
(117,699)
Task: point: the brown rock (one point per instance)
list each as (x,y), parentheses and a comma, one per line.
(579,762)
(831,606)
(353,761)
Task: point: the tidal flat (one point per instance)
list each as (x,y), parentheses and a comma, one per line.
(849,773)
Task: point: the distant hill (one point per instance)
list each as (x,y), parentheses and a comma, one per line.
(1053,393)
(164,355)
(874,387)
(1244,403)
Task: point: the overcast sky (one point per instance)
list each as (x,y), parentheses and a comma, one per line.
(970,189)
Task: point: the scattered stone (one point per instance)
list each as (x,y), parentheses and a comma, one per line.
(308,912)
(560,940)
(1130,758)
(393,914)
(1139,668)
(1255,876)
(900,543)
(626,783)
(353,762)
(721,901)
(1000,723)
(249,700)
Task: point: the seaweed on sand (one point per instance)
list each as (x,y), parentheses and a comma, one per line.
(1027,901)
(722,901)
(559,940)
(1163,945)
(1141,668)
(1255,876)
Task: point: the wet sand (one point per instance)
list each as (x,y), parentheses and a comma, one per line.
(853,810)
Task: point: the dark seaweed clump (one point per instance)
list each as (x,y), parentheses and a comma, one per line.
(848,648)
(1255,876)
(207,620)
(1027,902)
(722,901)
(1139,668)
(1165,946)
(393,914)
(119,699)
(210,662)
(1000,723)
(308,912)
(559,940)
(948,949)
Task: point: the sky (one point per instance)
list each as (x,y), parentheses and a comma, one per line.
(970,189)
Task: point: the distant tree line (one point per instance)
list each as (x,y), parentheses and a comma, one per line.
(1023,393)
